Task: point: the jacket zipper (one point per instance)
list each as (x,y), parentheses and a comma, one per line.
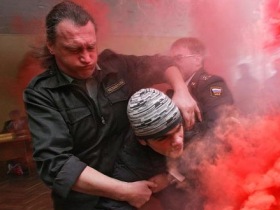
(91,101)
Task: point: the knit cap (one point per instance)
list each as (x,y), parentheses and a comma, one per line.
(152,113)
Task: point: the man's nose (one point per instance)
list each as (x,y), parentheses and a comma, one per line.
(85,57)
(177,139)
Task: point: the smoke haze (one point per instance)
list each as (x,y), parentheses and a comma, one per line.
(248,176)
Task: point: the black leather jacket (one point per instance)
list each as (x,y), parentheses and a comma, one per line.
(70,131)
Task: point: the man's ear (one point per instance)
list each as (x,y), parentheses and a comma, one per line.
(143,142)
(50,48)
(199,59)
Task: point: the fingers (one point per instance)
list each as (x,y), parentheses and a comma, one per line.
(161,180)
(141,193)
(151,185)
(190,116)
(189,120)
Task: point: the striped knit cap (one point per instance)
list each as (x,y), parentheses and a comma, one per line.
(152,114)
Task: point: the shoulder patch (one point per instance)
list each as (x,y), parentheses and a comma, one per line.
(115,86)
(216,91)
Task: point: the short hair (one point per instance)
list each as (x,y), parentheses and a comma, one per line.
(193,44)
(66,10)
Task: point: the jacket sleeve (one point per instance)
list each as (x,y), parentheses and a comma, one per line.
(52,143)
(140,71)
(149,69)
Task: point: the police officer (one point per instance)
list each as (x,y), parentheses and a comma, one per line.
(210,91)
(212,96)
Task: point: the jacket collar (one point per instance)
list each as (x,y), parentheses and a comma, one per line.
(60,79)
(197,75)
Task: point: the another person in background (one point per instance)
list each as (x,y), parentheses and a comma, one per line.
(245,91)
(77,111)
(17,124)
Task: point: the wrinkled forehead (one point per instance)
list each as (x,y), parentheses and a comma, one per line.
(70,33)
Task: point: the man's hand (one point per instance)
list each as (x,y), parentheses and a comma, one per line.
(182,97)
(138,193)
(187,106)
(161,180)
(135,193)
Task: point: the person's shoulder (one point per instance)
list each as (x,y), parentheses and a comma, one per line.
(107,54)
(109,57)
(39,79)
(206,76)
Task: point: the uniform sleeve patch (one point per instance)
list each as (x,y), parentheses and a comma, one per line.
(216,91)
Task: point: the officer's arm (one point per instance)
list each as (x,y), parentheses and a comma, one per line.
(182,97)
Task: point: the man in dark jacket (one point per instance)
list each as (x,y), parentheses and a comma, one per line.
(210,91)
(77,111)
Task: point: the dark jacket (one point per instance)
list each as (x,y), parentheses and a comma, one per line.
(212,95)
(137,162)
(70,130)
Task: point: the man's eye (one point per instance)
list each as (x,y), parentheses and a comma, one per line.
(91,48)
(73,50)
(161,138)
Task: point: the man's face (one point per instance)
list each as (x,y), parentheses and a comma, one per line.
(75,49)
(186,61)
(171,144)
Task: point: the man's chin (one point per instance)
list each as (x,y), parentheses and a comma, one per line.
(176,155)
(87,73)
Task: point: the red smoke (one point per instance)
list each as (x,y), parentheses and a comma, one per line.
(272,20)
(248,177)
(28,68)
(26,26)
(226,28)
